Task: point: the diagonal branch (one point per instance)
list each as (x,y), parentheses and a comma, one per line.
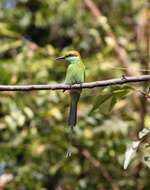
(98,165)
(120,51)
(95,84)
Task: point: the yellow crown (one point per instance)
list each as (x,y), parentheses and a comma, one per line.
(72,53)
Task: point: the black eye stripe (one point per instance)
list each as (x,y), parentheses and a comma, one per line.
(71,55)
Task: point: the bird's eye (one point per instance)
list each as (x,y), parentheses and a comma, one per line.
(71,55)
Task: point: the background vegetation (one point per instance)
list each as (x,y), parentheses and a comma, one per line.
(113,38)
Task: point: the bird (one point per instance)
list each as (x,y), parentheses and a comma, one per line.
(75,74)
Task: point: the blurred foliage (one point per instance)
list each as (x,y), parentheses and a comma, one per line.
(33,128)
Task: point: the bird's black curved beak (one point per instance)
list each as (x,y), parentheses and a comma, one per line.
(60,58)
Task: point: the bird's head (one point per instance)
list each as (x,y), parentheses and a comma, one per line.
(71,56)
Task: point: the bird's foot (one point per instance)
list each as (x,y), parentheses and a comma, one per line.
(124,77)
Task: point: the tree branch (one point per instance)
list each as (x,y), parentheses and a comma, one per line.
(95,84)
(98,165)
(120,51)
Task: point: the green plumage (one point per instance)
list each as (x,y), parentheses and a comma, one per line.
(75,74)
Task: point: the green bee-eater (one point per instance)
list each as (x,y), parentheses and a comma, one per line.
(75,74)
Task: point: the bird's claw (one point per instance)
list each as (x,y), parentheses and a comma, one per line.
(124,77)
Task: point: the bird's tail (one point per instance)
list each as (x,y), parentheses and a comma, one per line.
(72,119)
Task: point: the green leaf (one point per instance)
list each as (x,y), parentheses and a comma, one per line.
(6,46)
(99,101)
(113,102)
(121,91)
(5,30)
(121,87)
(116,93)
